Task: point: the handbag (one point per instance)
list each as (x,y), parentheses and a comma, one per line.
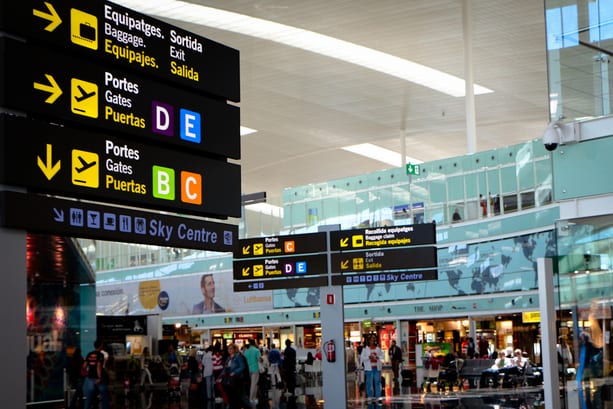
(227,381)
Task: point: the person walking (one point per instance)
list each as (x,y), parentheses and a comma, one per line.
(395,354)
(289,367)
(372,358)
(274,370)
(483,345)
(218,366)
(97,379)
(145,361)
(470,348)
(233,381)
(207,374)
(75,378)
(274,362)
(252,355)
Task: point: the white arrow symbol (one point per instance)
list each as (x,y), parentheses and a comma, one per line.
(59,215)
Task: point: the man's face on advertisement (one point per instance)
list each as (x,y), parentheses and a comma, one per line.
(209,287)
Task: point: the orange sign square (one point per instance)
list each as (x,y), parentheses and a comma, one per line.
(289,246)
(191,188)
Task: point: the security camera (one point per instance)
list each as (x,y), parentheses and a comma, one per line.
(558,133)
(552,136)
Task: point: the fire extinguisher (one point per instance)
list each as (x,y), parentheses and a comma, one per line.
(330,351)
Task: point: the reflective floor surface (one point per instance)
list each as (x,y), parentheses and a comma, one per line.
(309,396)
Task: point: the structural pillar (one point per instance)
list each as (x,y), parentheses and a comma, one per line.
(13,303)
(334,376)
(551,386)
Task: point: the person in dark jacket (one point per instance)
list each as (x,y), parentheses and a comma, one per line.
(74,371)
(97,379)
(234,378)
(289,366)
(396,357)
(470,348)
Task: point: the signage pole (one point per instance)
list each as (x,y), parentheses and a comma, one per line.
(334,381)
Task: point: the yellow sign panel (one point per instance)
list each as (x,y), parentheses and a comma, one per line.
(258,249)
(531,317)
(258,270)
(357,241)
(84,29)
(85,169)
(148,292)
(358,263)
(83,98)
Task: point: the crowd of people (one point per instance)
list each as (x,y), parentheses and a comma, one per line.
(238,376)
(241,376)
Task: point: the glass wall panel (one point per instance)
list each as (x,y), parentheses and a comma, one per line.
(579,46)
(509,179)
(331,209)
(455,188)
(585,277)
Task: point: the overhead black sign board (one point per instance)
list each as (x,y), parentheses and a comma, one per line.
(383,260)
(302,282)
(44,214)
(277,246)
(382,237)
(384,278)
(114,327)
(54,159)
(280,267)
(117,35)
(51,85)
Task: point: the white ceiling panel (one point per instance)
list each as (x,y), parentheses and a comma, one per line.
(306,106)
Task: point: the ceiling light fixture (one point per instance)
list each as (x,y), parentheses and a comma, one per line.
(306,40)
(247,131)
(384,155)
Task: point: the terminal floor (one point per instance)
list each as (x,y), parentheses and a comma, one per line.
(309,396)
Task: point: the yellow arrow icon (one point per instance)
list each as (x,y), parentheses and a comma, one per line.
(52,16)
(52,89)
(246,271)
(246,249)
(345,242)
(48,168)
(344,264)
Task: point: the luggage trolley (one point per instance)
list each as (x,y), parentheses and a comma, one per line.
(432,366)
(449,376)
(174,383)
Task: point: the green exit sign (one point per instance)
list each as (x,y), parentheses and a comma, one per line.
(413,169)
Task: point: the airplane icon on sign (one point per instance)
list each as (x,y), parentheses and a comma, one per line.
(84,164)
(84,94)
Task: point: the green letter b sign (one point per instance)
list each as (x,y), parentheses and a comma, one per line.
(163,183)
